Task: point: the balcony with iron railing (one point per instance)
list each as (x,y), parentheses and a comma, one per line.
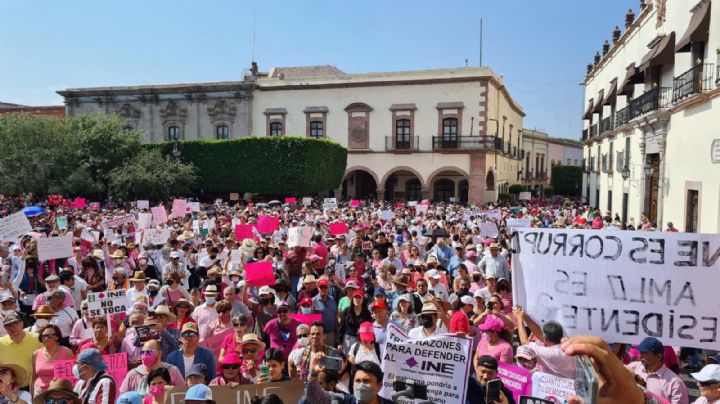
(402,143)
(622,116)
(466,143)
(698,79)
(584,135)
(593,130)
(606,124)
(652,100)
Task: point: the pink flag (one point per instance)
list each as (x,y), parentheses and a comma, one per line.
(338,228)
(307,318)
(425,202)
(354,203)
(259,274)
(159,214)
(79,203)
(291,200)
(267,224)
(243,231)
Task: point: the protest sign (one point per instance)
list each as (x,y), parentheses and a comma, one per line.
(533,400)
(14,226)
(518,380)
(547,386)
(425,202)
(492,214)
(513,223)
(159,214)
(243,231)
(94,205)
(62,222)
(259,274)
(307,318)
(193,206)
(307,201)
(144,220)
(54,247)
(338,228)
(488,229)
(330,201)
(412,204)
(525,196)
(156,236)
(288,392)
(236,257)
(622,286)
(299,236)
(79,203)
(213,342)
(387,215)
(116,368)
(143,204)
(147,332)
(178,207)
(421,209)
(118,221)
(442,362)
(291,200)
(355,203)
(267,224)
(107,303)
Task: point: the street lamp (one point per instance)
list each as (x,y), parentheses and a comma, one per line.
(648,169)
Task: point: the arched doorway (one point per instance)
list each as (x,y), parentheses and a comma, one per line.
(359,184)
(402,183)
(463,189)
(444,189)
(413,190)
(490,181)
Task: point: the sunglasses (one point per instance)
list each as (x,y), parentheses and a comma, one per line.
(49,335)
(302,335)
(249,351)
(147,353)
(57,401)
(231,367)
(188,334)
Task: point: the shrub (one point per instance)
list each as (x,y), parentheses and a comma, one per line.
(567,180)
(549,191)
(504,197)
(516,189)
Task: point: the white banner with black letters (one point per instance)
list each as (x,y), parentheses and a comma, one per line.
(621,285)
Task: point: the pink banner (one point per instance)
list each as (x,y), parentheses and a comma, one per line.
(307,318)
(159,214)
(355,203)
(95,205)
(243,231)
(79,203)
(338,228)
(259,274)
(213,343)
(116,363)
(516,379)
(179,207)
(267,224)
(290,200)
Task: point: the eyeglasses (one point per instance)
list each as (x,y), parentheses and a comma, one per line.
(249,351)
(302,335)
(188,334)
(230,367)
(57,401)
(49,335)
(147,353)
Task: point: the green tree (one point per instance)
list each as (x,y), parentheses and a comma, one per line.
(515,189)
(567,180)
(149,174)
(549,191)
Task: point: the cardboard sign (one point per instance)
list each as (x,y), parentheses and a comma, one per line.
(518,380)
(159,215)
(307,318)
(156,236)
(234,196)
(107,303)
(307,201)
(79,203)
(54,247)
(145,220)
(142,204)
(147,332)
(289,392)
(94,205)
(488,229)
(525,196)
(338,228)
(442,361)
(421,209)
(243,231)
(116,368)
(493,214)
(355,203)
(213,342)
(62,222)
(259,274)
(291,200)
(299,236)
(387,215)
(117,222)
(412,204)
(178,207)
(14,226)
(236,257)
(619,285)
(552,387)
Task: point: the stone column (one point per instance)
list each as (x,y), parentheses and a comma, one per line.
(380,194)
(476,179)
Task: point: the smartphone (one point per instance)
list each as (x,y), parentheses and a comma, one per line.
(331,362)
(265,370)
(492,392)
(586,379)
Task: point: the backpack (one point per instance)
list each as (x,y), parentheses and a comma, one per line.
(356,348)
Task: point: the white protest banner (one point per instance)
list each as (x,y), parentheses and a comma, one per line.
(54,247)
(421,208)
(513,223)
(194,206)
(412,203)
(442,362)
(306,201)
(145,220)
(88,235)
(493,214)
(488,229)
(107,303)
(14,226)
(156,236)
(622,286)
(143,204)
(118,221)
(525,196)
(555,388)
(329,203)
(387,215)
(299,236)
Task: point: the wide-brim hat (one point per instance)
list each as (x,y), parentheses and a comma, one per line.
(215,271)
(118,254)
(211,290)
(186,302)
(22,378)
(165,310)
(429,308)
(43,312)
(138,276)
(494,246)
(401,280)
(309,279)
(249,243)
(252,339)
(98,253)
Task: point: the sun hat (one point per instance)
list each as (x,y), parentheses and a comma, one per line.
(6,297)
(138,276)
(183,301)
(98,253)
(11,318)
(211,290)
(708,373)
(163,310)
(252,339)
(401,280)
(22,378)
(491,324)
(93,358)
(524,351)
(52,278)
(428,308)
(199,392)
(58,386)
(494,246)
(265,290)
(44,311)
(118,254)
(366,331)
(175,254)
(309,279)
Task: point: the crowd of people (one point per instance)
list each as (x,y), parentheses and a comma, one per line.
(427,271)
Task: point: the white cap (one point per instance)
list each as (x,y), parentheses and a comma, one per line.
(709,372)
(265,290)
(478,293)
(433,273)
(175,254)
(467,300)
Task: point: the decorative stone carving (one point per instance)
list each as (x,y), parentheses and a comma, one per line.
(127,111)
(661,12)
(196,97)
(222,109)
(173,111)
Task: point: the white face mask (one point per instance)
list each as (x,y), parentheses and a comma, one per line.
(41,323)
(143,261)
(304,341)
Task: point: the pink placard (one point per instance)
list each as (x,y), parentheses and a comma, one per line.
(518,380)
(243,231)
(213,342)
(179,207)
(307,318)
(291,200)
(116,368)
(400,205)
(95,205)
(338,228)
(159,214)
(267,224)
(79,203)
(259,274)
(355,203)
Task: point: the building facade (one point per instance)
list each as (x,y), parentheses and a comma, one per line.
(52,111)
(541,153)
(445,134)
(651,139)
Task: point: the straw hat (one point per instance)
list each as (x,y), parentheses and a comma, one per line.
(252,339)
(44,312)
(165,310)
(138,276)
(118,254)
(21,377)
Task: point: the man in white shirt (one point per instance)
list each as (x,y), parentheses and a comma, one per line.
(138,289)
(74,285)
(432,321)
(392,259)
(436,286)
(64,316)
(495,262)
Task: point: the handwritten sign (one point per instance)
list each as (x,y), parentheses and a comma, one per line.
(159,214)
(234,196)
(145,220)
(307,201)
(291,200)
(259,274)
(421,209)
(54,247)
(236,257)
(307,318)
(193,206)
(116,368)
(178,207)
(514,223)
(267,224)
(488,229)
(338,228)
(143,204)
(518,380)
(289,392)
(14,226)
(387,215)
(107,303)
(213,342)
(118,221)
(545,385)
(156,236)
(299,236)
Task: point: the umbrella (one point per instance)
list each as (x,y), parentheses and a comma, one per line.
(31,211)
(438,232)
(274,202)
(261,205)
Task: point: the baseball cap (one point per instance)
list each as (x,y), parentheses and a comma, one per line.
(198,369)
(130,397)
(52,278)
(190,326)
(351,284)
(379,291)
(650,344)
(265,290)
(491,324)
(6,297)
(433,273)
(708,373)
(488,361)
(378,305)
(467,299)
(306,301)
(93,358)
(199,392)
(11,319)
(524,351)
(366,331)
(323,282)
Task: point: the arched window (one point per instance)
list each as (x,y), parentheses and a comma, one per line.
(222,132)
(444,190)
(413,190)
(173,133)
(450,132)
(402,138)
(276,129)
(316,129)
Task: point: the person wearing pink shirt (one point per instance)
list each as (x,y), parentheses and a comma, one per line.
(493,341)
(658,378)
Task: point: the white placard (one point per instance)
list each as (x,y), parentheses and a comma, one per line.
(307,201)
(387,215)
(156,236)
(525,196)
(514,223)
(299,236)
(621,286)
(421,208)
(14,226)
(412,203)
(110,223)
(54,247)
(143,204)
(107,303)
(145,220)
(194,206)
(236,257)
(488,229)
(551,386)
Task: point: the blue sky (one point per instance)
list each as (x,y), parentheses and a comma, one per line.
(540,47)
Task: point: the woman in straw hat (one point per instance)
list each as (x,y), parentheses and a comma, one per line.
(13,376)
(57,391)
(42,316)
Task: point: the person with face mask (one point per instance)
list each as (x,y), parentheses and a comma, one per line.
(432,321)
(303,339)
(263,309)
(206,313)
(150,359)
(367,383)
(94,385)
(159,381)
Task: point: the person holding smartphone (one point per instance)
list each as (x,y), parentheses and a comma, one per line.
(272,367)
(484,386)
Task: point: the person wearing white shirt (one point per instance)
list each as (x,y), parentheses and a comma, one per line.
(392,259)
(436,286)
(64,318)
(432,321)
(138,289)
(75,286)
(495,263)
(177,267)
